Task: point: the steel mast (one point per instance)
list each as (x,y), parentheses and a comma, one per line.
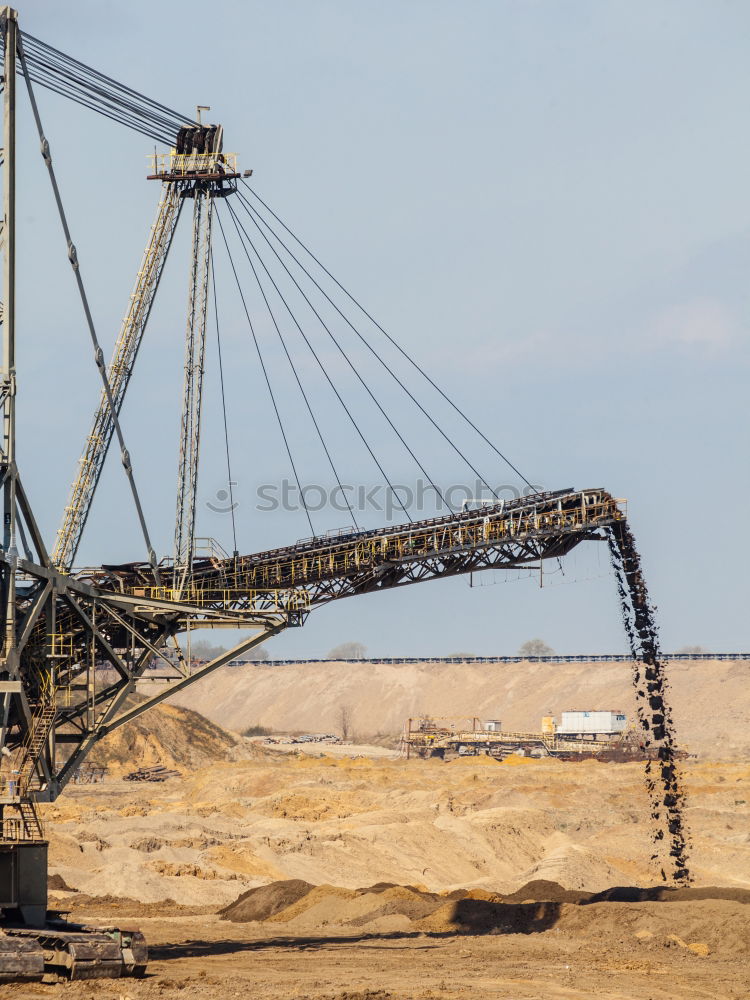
(8,468)
(201,143)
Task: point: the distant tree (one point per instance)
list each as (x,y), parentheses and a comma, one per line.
(256,654)
(202,650)
(535,647)
(257,730)
(348,651)
(692,650)
(345,720)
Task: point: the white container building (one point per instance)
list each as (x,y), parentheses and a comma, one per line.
(589,723)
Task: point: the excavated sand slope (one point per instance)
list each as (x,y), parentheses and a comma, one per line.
(168,734)
(205,838)
(711,700)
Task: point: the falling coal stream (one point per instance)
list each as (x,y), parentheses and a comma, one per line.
(654,715)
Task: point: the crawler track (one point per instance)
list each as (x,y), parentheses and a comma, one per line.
(70,951)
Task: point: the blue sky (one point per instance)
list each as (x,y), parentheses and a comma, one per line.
(545,203)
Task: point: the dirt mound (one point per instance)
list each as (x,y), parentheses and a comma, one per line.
(541,890)
(702,920)
(56,883)
(480,916)
(300,906)
(664,894)
(545,891)
(387,907)
(265,900)
(168,735)
(703,926)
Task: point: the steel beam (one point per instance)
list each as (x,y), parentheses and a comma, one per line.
(192,395)
(8,372)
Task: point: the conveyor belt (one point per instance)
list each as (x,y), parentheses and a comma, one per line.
(318,570)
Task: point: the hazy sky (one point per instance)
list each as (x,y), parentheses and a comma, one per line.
(545,202)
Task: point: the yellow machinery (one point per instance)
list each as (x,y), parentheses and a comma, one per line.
(425,738)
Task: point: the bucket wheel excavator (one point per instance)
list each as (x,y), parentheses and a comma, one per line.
(76,643)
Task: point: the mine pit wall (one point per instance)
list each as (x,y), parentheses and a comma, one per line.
(663,780)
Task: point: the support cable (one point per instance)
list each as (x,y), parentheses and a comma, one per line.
(395,343)
(252,214)
(353,367)
(336,392)
(81,83)
(131,122)
(46,52)
(58,78)
(296,376)
(223,401)
(98,353)
(265,375)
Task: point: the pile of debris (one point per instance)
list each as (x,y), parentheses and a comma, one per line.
(89,774)
(157,773)
(306,738)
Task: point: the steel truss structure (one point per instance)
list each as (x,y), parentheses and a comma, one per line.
(72,652)
(85,640)
(499,536)
(76,645)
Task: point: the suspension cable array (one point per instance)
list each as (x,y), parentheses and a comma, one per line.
(279,276)
(258,351)
(73,79)
(414,364)
(254,218)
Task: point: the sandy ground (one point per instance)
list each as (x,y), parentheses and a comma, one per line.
(465,835)
(710,700)
(205,837)
(339,823)
(349,750)
(207,958)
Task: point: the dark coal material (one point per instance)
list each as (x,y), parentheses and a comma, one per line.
(654,714)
